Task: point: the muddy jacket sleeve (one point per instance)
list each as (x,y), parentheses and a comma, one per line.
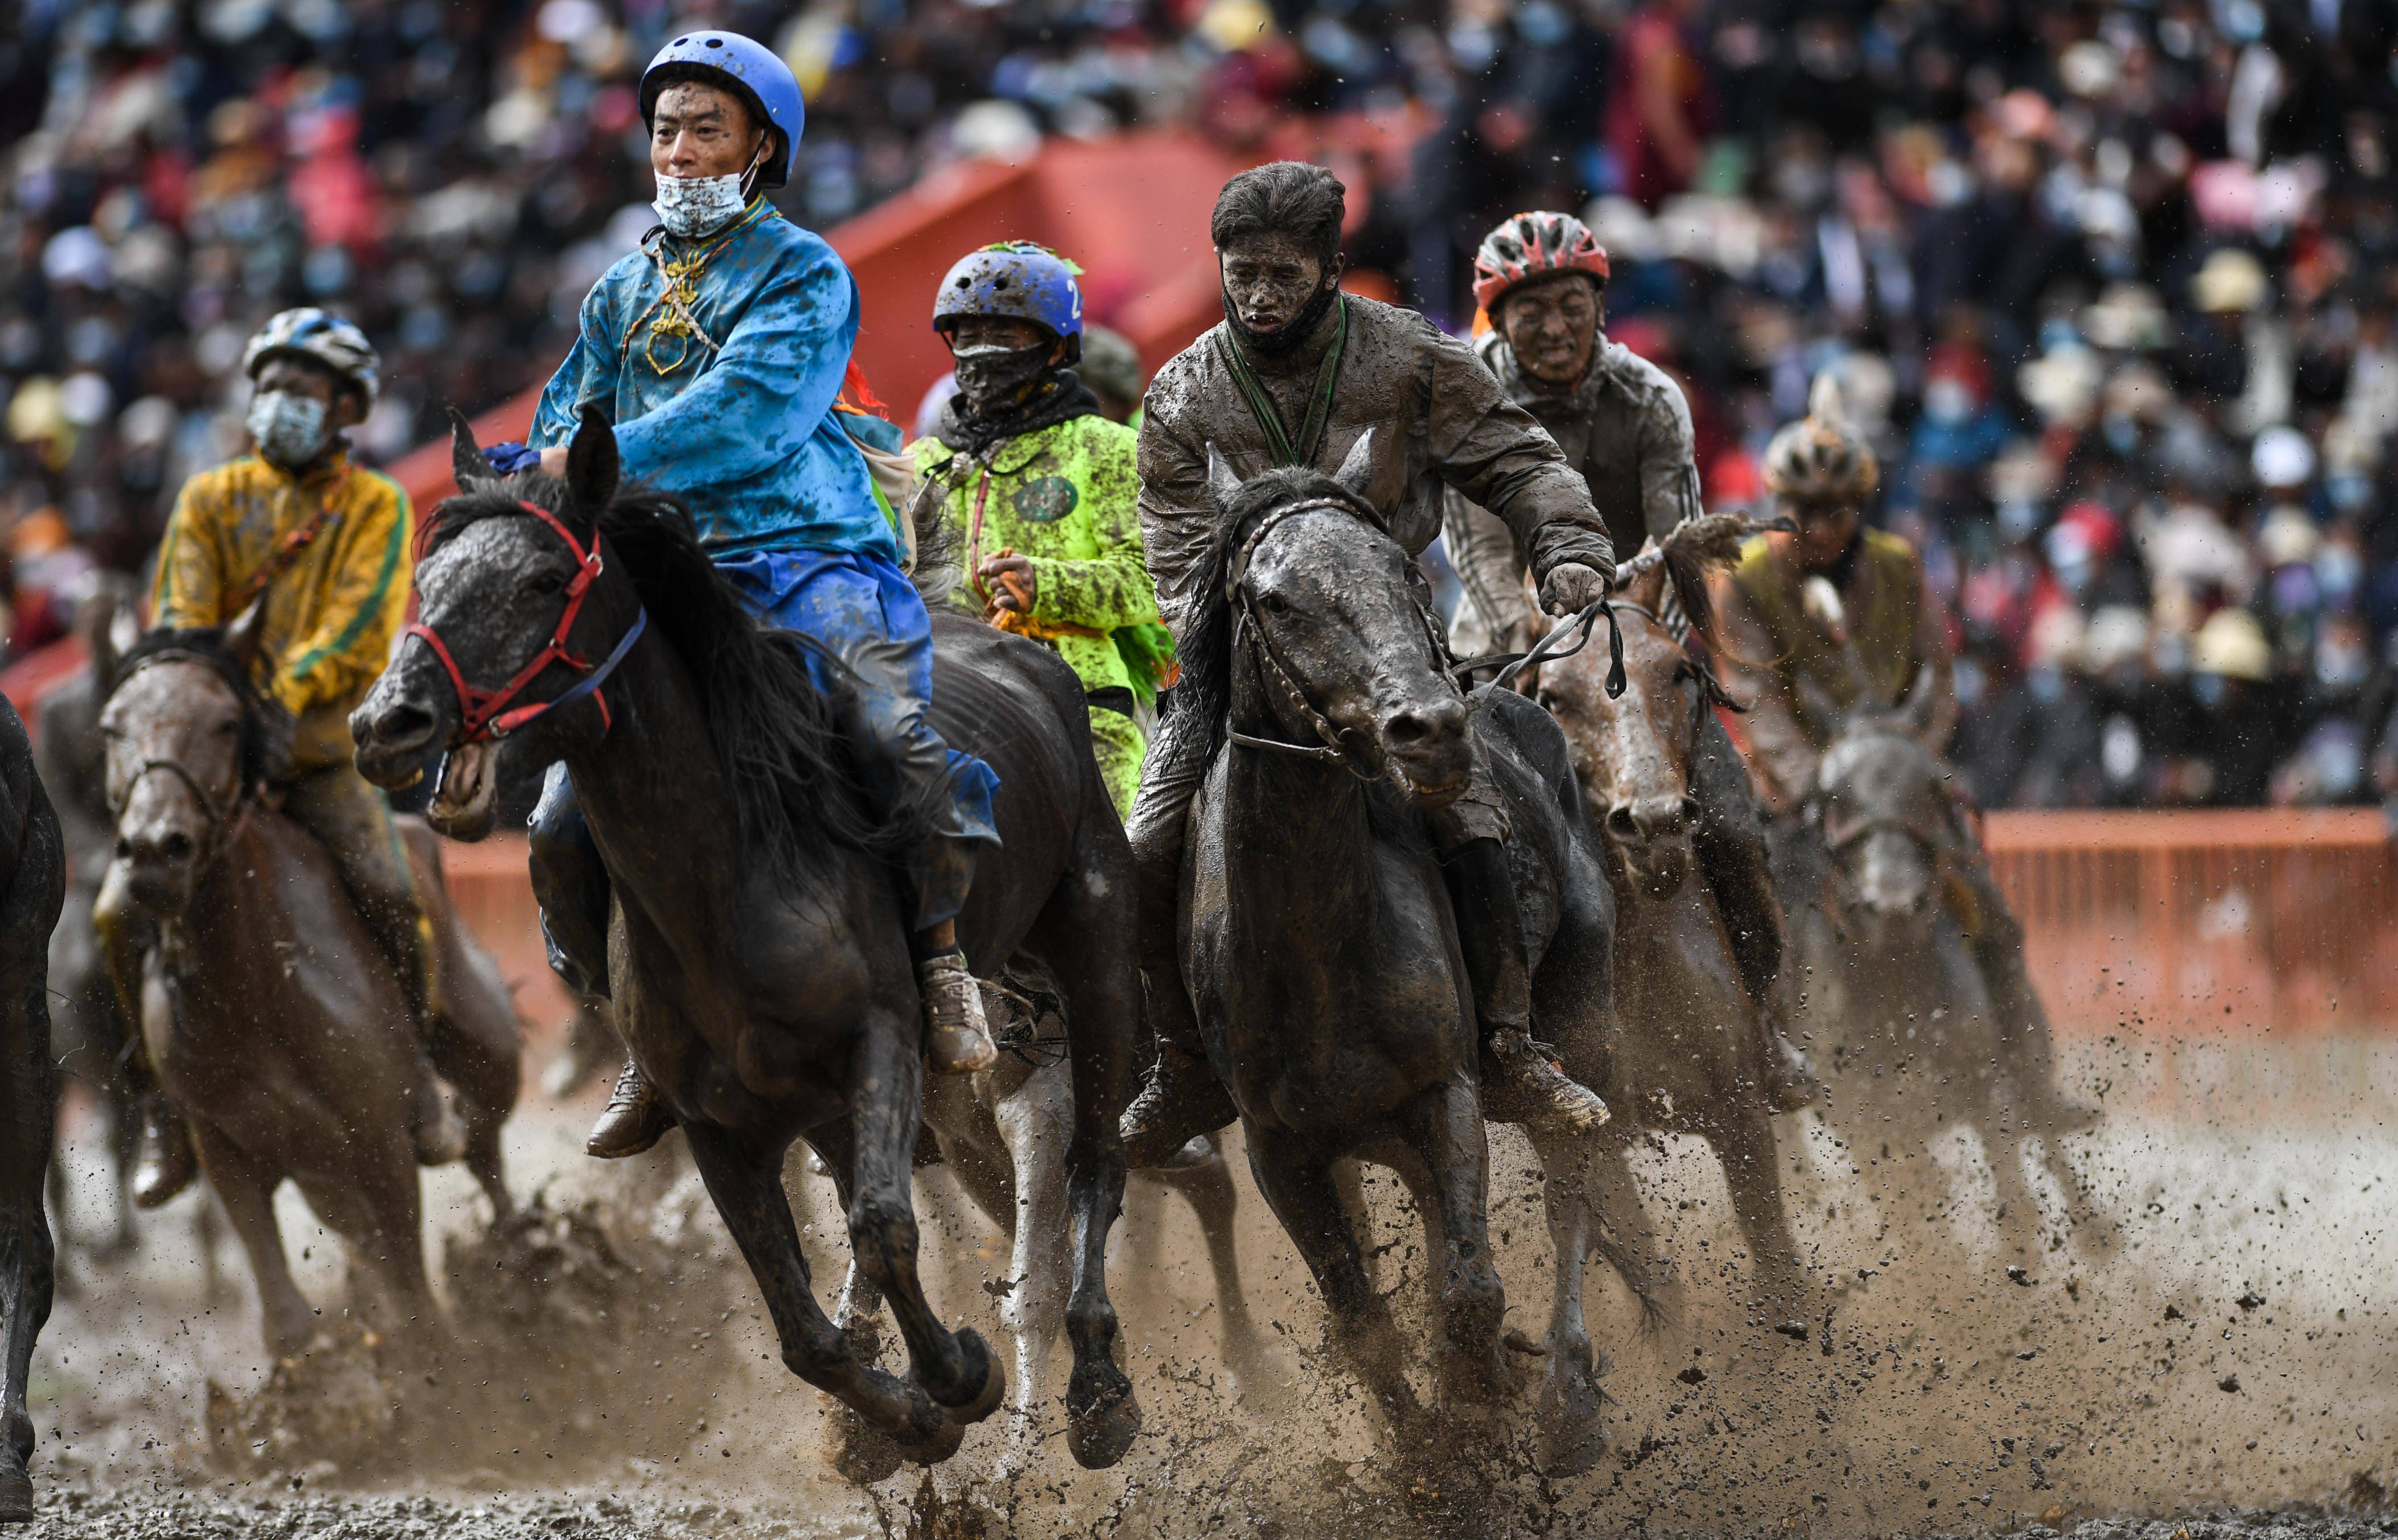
(1494,451)
(189,589)
(1482,552)
(1779,749)
(1669,471)
(1176,519)
(589,374)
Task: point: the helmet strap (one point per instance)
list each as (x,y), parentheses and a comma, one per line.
(757,163)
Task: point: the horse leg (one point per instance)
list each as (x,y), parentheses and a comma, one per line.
(1573,1422)
(1206,1186)
(1455,1202)
(246,1190)
(27,1258)
(377,1214)
(1300,1189)
(748,1196)
(1742,1140)
(2018,1213)
(886,1072)
(1033,1121)
(1626,1238)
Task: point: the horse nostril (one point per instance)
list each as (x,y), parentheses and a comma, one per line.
(1407,729)
(176,848)
(1620,823)
(401,723)
(1689,810)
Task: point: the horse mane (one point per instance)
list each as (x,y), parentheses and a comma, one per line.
(267,723)
(787,758)
(1199,707)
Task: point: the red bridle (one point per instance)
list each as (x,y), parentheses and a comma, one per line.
(486,712)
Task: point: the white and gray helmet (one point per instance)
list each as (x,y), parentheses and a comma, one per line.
(322,339)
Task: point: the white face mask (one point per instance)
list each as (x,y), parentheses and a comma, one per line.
(290,428)
(691,206)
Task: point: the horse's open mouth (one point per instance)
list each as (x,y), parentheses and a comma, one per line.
(467,797)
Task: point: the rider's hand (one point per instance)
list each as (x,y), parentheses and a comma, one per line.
(1572,588)
(509,459)
(1021,585)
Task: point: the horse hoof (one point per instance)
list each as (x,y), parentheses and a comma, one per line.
(1100,1435)
(862,1455)
(15,1494)
(940,1446)
(975,1368)
(1573,1435)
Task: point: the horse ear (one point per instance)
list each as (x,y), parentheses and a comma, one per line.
(1222,485)
(467,466)
(111,639)
(248,631)
(592,465)
(1356,472)
(1916,710)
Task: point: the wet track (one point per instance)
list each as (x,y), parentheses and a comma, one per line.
(2231,1355)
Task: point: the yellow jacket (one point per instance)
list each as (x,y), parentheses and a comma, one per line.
(330,615)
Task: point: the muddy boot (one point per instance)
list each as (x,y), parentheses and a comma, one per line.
(166,1163)
(957,1038)
(1520,1083)
(634,1121)
(441,1138)
(1181,1099)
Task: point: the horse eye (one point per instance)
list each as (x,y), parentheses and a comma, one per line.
(1277,604)
(549,582)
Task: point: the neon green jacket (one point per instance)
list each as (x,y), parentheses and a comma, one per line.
(1064,497)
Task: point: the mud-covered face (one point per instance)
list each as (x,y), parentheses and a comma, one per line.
(1551,327)
(1330,595)
(1269,280)
(173,738)
(1824,530)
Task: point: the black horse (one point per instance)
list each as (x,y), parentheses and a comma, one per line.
(758,960)
(33,877)
(1321,948)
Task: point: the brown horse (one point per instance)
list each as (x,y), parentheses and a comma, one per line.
(1692,1066)
(269,1010)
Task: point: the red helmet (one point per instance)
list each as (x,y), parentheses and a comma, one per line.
(1531,245)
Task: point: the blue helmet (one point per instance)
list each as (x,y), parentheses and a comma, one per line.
(1017,278)
(753,71)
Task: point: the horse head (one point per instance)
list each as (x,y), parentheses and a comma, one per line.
(503,631)
(1326,619)
(187,737)
(1881,804)
(1635,754)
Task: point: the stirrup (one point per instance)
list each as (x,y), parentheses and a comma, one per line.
(957,1038)
(167,1163)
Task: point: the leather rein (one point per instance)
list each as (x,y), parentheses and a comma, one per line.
(487,714)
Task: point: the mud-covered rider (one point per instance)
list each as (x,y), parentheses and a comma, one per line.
(1837,615)
(1540,280)
(323,544)
(720,348)
(1041,493)
(1295,375)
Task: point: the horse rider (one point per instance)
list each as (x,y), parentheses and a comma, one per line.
(1039,492)
(1839,613)
(324,544)
(1296,373)
(1541,283)
(720,348)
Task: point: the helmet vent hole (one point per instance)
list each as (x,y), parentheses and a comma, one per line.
(999,283)
(681,41)
(716,42)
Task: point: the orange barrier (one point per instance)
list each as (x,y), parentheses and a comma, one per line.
(2204,922)
(2137,923)
(1131,208)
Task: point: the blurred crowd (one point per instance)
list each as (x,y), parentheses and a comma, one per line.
(2110,283)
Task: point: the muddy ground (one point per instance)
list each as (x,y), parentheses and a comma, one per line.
(2226,1366)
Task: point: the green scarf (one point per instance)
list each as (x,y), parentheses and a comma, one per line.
(1319,405)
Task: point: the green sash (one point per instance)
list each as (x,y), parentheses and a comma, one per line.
(1319,406)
